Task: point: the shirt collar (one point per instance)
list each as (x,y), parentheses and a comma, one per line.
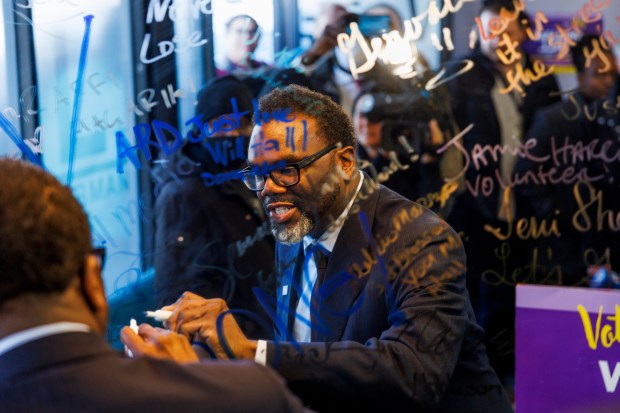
(328,239)
(14,340)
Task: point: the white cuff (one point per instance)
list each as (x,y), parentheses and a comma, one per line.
(261,352)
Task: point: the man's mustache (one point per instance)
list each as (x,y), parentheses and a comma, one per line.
(291,200)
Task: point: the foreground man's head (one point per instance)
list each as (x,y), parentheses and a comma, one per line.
(46,258)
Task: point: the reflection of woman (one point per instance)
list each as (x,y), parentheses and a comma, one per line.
(242,35)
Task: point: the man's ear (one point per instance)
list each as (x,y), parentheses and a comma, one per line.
(94,291)
(347,159)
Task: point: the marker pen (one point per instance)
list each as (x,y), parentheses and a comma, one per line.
(133,324)
(159,315)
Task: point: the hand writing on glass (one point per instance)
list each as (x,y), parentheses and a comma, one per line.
(197,319)
(158,343)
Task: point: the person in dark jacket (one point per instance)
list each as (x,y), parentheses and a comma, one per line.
(53,313)
(579,121)
(493,114)
(211,233)
(383,147)
(241,40)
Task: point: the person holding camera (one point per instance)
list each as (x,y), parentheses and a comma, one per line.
(328,67)
(398,151)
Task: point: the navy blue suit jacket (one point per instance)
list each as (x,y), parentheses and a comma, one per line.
(395,326)
(79,372)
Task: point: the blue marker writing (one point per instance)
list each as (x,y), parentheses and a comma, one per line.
(12,133)
(76,99)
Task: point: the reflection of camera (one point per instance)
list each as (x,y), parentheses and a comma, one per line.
(408,115)
(370,26)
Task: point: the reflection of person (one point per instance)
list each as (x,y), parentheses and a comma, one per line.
(328,66)
(53,312)
(200,244)
(242,36)
(396,23)
(328,17)
(596,73)
(382,318)
(563,125)
(302,57)
(422,175)
(499,119)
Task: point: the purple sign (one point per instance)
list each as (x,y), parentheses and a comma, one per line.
(554,38)
(567,350)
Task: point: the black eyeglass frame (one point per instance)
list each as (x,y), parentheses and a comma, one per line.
(100,253)
(253,171)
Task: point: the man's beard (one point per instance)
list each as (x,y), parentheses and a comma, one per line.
(288,235)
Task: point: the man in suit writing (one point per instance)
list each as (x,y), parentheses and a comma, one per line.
(53,312)
(372,309)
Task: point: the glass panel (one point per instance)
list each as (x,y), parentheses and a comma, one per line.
(189,63)
(109,198)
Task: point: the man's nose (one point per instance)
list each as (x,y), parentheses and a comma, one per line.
(271,188)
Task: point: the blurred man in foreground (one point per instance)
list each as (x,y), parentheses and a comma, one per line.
(53,312)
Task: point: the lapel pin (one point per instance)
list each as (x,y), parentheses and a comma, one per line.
(285,290)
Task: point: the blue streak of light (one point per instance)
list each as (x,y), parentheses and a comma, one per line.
(76,99)
(10,130)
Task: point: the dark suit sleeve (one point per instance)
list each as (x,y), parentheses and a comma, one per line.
(224,387)
(78,372)
(412,362)
(255,388)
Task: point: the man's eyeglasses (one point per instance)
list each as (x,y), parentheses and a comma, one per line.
(287,175)
(100,253)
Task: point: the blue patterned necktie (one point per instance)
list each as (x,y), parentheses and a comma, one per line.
(320,256)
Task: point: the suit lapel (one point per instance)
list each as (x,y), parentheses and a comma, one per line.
(342,287)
